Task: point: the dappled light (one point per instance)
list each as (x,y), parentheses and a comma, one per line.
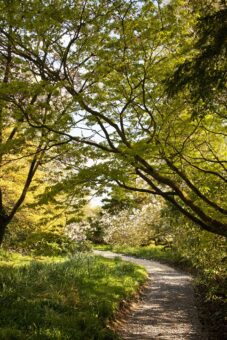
(167,306)
(113,136)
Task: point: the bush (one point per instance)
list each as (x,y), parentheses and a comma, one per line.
(49,244)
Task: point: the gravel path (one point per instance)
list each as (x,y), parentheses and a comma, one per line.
(167,308)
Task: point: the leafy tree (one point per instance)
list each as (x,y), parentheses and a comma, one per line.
(41,221)
(24,150)
(110,59)
(118,199)
(203,71)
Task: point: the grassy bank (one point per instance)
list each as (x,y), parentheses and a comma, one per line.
(150,252)
(59,298)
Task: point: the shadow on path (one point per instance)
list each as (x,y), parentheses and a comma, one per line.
(167,308)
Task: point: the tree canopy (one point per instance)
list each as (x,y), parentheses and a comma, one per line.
(98,71)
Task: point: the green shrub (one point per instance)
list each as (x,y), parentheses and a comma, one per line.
(48,244)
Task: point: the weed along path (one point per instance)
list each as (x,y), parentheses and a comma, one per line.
(166,309)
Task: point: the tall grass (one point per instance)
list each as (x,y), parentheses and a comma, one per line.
(65,299)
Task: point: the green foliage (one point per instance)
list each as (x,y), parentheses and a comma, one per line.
(96,231)
(39,224)
(203,251)
(86,78)
(48,244)
(63,299)
(203,72)
(206,253)
(118,199)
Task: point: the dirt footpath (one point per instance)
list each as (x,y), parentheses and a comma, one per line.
(167,308)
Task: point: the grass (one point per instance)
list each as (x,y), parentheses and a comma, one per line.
(59,298)
(150,252)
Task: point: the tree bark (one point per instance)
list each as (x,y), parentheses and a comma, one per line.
(4,221)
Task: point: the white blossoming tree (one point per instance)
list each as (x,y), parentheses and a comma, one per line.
(128,226)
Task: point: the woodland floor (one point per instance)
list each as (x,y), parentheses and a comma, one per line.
(166,309)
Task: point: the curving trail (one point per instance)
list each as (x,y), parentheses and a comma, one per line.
(167,308)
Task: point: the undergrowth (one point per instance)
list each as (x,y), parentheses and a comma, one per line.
(59,298)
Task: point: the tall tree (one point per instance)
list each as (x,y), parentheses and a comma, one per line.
(110,58)
(22,148)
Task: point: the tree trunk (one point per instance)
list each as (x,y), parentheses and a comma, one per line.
(4,221)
